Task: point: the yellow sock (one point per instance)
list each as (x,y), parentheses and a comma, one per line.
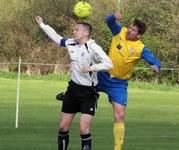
(118,132)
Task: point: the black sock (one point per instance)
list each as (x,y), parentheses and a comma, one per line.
(63,139)
(86,141)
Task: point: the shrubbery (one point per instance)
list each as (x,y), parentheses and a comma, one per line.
(20,35)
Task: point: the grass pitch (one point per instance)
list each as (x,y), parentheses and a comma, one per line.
(152,118)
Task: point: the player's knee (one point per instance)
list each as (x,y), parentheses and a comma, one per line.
(84,129)
(119,116)
(63,127)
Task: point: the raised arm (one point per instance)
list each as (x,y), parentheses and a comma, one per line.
(151,59)
(50,32)
(111,21)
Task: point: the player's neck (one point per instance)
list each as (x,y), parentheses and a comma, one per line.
(133,40)
(83,40)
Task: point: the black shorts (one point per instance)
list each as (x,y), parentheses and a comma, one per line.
(79,98)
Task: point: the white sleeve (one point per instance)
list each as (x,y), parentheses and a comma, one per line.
(51,33)
(103,61)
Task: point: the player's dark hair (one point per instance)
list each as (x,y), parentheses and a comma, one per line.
(87,26)
(140,25)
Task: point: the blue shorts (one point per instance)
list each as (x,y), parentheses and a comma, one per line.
(115,88)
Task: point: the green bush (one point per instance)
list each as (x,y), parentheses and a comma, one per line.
(21,36)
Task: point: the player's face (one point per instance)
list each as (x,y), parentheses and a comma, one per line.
(79,32)
(132,33)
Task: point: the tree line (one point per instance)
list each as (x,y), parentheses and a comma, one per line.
(20,35)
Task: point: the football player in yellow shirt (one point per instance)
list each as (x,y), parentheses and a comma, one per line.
(126,49)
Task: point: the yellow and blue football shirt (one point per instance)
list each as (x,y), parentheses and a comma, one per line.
(124,53)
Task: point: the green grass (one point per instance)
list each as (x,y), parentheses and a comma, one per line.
(7,8)
(24,76)
(152,117)
(66,77)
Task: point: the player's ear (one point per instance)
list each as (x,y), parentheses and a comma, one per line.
(86,33)
(138,36)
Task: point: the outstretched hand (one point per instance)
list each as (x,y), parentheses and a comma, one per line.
(39,19)
(118,16)
(154,68)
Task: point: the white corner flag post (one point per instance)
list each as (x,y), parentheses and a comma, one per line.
(17,98)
